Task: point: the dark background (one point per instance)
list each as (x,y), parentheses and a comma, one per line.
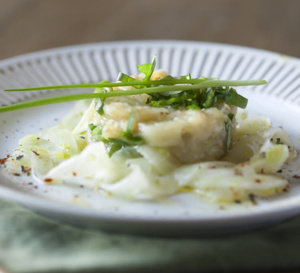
(30,25)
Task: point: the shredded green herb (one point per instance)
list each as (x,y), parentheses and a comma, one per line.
(228,131)
(130,122)
(127,138)
(199,99)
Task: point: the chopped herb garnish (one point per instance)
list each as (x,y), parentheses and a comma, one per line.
(92,126)
(130,121)
(112,148)
(193,107)
(130,139)
(211,98)
(198,99)
(97,133)
(99,103)
(228,131)
(127,138)
(187,77)
(147,69)
(125,78)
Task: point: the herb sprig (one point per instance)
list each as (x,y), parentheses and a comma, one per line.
(159,86)
(195,93)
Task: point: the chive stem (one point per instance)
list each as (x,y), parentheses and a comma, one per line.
(204,84)
(141,83)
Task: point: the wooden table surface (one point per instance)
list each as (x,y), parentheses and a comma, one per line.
(31,25)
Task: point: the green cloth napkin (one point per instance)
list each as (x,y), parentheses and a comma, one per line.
(31,243)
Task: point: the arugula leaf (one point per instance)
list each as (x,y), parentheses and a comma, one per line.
(147,69)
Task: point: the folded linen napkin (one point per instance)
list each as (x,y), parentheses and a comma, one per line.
(30,243)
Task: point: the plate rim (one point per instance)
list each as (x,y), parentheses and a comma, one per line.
(75,47)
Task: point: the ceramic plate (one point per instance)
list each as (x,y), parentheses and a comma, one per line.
(183,214)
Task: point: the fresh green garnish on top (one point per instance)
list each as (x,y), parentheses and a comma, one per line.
(182,92)
(147,69)
(199,99)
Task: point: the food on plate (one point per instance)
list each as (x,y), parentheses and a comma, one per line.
(152,135)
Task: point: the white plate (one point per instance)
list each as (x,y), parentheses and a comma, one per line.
(183,214)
